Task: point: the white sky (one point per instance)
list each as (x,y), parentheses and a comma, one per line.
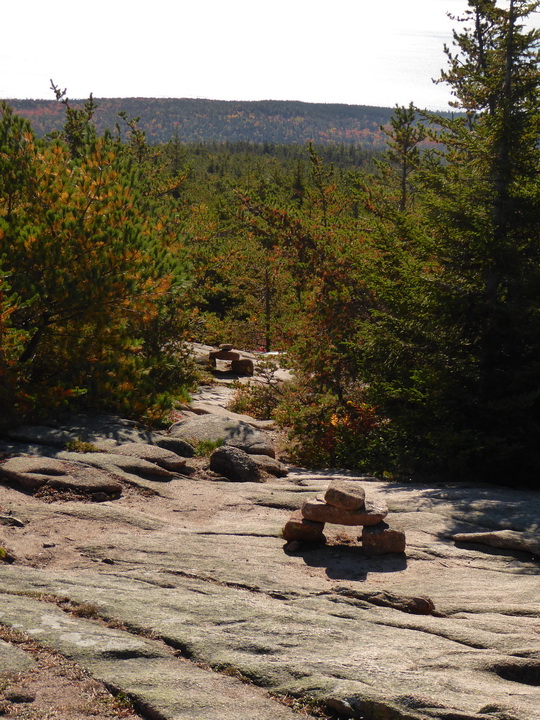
(361,52)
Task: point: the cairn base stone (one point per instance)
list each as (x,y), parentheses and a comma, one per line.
(381,539)
(300,529)
(243,366)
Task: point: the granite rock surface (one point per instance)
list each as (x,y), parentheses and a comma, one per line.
(195,576)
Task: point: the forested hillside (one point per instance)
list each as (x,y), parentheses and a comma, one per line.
(404,288)
(271,121)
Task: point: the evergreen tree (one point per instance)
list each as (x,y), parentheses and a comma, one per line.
(92,273)
(461,380)
(404,136)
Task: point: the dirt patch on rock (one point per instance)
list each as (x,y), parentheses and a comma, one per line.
(55,688)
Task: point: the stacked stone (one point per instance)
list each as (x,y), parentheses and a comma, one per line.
(345,503)
(239,365)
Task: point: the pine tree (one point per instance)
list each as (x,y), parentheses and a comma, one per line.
(92,307)
(404,136)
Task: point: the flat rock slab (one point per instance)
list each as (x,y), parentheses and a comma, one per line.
(95,429)
(506,539)
(371,514)
(211,408)
(161,684)
(270,465)
(151,453)
(32,473)
(215,428)
(83,427)
(13,660)
(131,464)
(389,662)
(209,573)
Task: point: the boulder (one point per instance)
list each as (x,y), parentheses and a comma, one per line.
(381,539)
(215,428)
(300,529)
(371,514)
(234,464)
(346,494)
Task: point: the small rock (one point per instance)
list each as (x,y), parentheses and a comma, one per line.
(234,464)
(298,528)
(6,556)
(346,494)
(320,511)
(226,347)
(187,470)
(10,520)
(381,539)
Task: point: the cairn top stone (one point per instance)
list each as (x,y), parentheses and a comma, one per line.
(346,494)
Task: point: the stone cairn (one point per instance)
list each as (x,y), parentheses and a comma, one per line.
(238,364)
(345,503)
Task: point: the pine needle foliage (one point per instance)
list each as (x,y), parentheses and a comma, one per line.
(91,274)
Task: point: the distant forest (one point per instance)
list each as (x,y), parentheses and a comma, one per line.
(195,121)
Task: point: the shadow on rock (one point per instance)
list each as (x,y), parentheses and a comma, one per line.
(345,562)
